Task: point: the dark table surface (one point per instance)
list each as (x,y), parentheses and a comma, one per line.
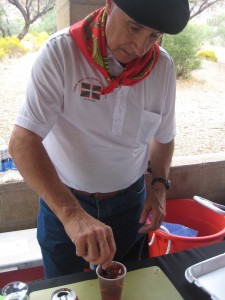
(173,265)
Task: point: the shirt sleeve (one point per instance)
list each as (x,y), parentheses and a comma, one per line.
(44,95)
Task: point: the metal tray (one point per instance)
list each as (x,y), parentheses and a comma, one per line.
(210,276)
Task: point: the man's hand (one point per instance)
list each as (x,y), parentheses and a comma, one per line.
(155,204)
(93,239)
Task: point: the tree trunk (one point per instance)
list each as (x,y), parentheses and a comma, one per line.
(3,31)
(24,31)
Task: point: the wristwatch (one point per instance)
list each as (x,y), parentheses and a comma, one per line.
(166,182)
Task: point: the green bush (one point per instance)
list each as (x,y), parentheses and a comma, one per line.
(35,40)
(217,25)
(46,23)
(208,55)
(183,48)
(11,47)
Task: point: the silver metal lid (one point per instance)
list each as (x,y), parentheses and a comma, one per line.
(63,294)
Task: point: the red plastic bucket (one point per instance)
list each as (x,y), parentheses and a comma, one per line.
(209,224)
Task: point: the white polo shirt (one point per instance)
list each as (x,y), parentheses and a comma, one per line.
(97,143)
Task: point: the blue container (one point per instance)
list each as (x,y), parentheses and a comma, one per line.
(4,165)
(12,165)
(4,159)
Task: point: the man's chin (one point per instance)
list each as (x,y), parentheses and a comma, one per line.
(125,61)
(124,58)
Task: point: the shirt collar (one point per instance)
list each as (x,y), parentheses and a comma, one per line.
(114,66)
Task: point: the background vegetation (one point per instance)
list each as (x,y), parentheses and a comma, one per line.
(25,24)
(183,49)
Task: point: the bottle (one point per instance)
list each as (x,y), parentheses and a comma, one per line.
(12,165)
(4,156)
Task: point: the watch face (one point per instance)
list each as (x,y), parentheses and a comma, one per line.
(166,182)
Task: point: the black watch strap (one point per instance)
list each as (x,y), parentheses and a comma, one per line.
(166,182)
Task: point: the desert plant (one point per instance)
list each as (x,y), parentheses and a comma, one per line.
(207,54)
(11,47)
(35,40)
(183,48)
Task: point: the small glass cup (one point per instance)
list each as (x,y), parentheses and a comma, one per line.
(16,290)
(111,280)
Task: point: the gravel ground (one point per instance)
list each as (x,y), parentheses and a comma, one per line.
(200,105)
(201,111)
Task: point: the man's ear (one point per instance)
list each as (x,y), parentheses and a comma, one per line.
(108,6)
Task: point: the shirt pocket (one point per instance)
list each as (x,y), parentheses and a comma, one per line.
(149,123)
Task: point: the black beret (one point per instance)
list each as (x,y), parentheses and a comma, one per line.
(168,16)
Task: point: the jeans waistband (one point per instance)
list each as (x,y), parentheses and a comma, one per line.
(105,195)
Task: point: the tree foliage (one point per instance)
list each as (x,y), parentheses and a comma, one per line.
(31,11)
(183,48)
(4,20)
(46,23)
(198,6)
(217,26)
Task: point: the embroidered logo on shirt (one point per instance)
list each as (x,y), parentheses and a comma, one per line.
(90,91)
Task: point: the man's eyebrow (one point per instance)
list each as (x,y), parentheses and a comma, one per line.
(137,24)
(142,26)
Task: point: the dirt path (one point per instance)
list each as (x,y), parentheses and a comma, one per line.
(201,111)
(200,105)
(13,80)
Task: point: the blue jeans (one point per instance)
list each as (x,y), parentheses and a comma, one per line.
(121,213)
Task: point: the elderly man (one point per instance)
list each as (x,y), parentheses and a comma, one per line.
(100,103)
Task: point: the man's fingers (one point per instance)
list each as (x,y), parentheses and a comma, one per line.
(144,216)
(112,248)
(81,247)
(98,247)
(146,228)
(156,222)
